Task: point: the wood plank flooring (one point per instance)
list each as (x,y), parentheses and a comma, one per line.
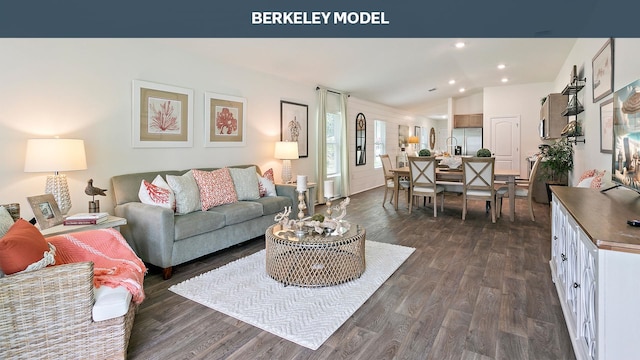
(471,290)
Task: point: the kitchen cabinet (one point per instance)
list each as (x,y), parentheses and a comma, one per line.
(551,119)
(594,259)
(467,121)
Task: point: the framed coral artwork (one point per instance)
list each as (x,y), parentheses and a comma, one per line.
(162,115)
(224,120)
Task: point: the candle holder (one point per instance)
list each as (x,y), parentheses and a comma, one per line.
(329,210)
(301,207)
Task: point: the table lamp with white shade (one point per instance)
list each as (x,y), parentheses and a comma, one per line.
(286,151)
(45,155)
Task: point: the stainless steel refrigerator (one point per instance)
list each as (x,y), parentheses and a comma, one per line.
(470,139)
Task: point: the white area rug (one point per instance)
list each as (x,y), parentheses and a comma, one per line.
(306,316)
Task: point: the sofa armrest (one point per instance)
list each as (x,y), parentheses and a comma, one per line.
(290,192)
(150,230)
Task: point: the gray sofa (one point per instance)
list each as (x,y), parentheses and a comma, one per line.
(164,239)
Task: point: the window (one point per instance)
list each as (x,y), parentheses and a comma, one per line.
(333,144)
(380,134)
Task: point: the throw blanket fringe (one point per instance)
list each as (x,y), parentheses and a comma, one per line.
(114,263)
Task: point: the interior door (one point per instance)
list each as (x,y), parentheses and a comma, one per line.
(505,142)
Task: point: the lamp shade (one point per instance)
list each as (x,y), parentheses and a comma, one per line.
(45,155)
(413,140)
(286,150)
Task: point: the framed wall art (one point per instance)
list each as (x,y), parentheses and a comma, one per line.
(46,210)
(606,126)
(225,120)
(403,136)
(294,125)
(602,67)
(162,115)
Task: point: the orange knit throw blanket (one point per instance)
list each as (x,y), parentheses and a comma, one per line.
(114,263)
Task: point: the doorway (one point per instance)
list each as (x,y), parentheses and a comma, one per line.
(505,142)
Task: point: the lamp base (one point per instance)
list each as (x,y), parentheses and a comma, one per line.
(286,171)
(58,187)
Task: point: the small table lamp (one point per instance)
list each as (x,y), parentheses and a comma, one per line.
(55,155)
(286,151)
(413,140)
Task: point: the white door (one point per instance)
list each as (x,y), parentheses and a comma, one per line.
(505,142)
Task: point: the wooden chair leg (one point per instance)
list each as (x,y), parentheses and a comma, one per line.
(533,218)
(493,210)
(464,206)
(410,199)
(435,204)
(386,189)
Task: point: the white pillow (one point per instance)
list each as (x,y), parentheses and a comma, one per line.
(586,182)
(157,193)
(268,185)
(6,221)
(186,192)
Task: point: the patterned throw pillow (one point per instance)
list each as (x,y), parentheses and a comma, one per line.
(597,180)
(245,183)
(22,246)
(157,193)
(269,175)
(186,192)
(216,187)
(587,174)
(265,183)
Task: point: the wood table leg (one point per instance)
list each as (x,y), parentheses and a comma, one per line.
(512,197)
(396,189)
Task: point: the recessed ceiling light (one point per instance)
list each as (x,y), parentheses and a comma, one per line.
(501,66)
(460,44)
(451,82)
(461,90)
(504,79)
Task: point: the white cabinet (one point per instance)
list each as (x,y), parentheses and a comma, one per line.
(599,291)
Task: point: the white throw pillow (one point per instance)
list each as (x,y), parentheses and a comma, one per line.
(186,192)
(157,193)
(268,186)
(586,182)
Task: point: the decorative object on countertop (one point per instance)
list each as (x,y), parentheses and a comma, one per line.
(286,151)
(328,226)
(424,152)
(484,152)
(44,155)
(94,205)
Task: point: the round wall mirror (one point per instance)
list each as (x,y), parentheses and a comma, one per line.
(361,139)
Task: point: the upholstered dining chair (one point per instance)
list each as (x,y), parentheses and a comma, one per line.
(422,172)
(477,182)
(523,190)
(389,179)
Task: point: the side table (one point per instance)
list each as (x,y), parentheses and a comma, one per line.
(310,198)
(112,222)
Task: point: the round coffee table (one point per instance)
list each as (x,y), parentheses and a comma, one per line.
(314,259)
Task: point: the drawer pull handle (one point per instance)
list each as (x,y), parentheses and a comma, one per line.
(576,285)
(563,257)
(555,237)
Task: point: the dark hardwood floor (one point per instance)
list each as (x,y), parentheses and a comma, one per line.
(471,290)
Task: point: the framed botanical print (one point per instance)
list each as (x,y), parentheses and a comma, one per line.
(162,115)
(602,66)
(294,125)
(224,120)
(45,209)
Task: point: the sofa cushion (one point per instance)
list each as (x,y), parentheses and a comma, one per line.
(110,303)
(197,223)
(186,192)
(21,246)
(245,182)
(238,212)
(273,205)
(216,188)
(157,193)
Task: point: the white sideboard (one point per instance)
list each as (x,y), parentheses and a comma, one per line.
(595,265)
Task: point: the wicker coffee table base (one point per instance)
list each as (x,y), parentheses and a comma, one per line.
(315,261)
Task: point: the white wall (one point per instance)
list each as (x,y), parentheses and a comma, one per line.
(517,100)
(626,70)
(470,104)
(81,88)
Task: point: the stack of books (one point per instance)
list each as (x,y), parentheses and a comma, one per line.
(86,218)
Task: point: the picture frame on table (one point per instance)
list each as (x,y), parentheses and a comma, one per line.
(294,125)
(606,126)
(162,115)
(46,210)
(225,120)
(602,71)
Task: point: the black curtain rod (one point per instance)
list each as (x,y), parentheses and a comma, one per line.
(331,91)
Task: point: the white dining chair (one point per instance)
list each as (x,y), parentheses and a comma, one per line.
(523,190)
(422,179)
(389,179)
(477,182)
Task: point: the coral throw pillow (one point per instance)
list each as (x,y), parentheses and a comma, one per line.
(597,180)
(21,246)
(269,175)
(587,174)
(157,193)
(266,184)
(216,187)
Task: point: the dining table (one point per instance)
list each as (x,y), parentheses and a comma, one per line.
(453,176)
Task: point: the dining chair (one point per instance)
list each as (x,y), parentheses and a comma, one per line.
(523,190)
(422,179)
(389,178)
(477,182)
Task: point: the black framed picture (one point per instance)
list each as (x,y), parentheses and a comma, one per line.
(294,125)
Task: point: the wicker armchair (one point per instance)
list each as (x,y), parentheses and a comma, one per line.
(46,314)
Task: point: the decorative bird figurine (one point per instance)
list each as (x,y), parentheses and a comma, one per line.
(93,191)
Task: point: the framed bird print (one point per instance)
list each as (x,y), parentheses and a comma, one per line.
(162,115)
(224,120)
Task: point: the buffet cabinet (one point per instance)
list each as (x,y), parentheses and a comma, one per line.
(596,277)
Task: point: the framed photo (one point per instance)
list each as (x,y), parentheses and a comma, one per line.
(46,210)
(403,136)
(225,120)
(606,126)
(602,67)
(294,125)
(162,115)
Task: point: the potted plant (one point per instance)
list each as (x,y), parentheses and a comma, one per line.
(484,152)
(424,152)
(557,160)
